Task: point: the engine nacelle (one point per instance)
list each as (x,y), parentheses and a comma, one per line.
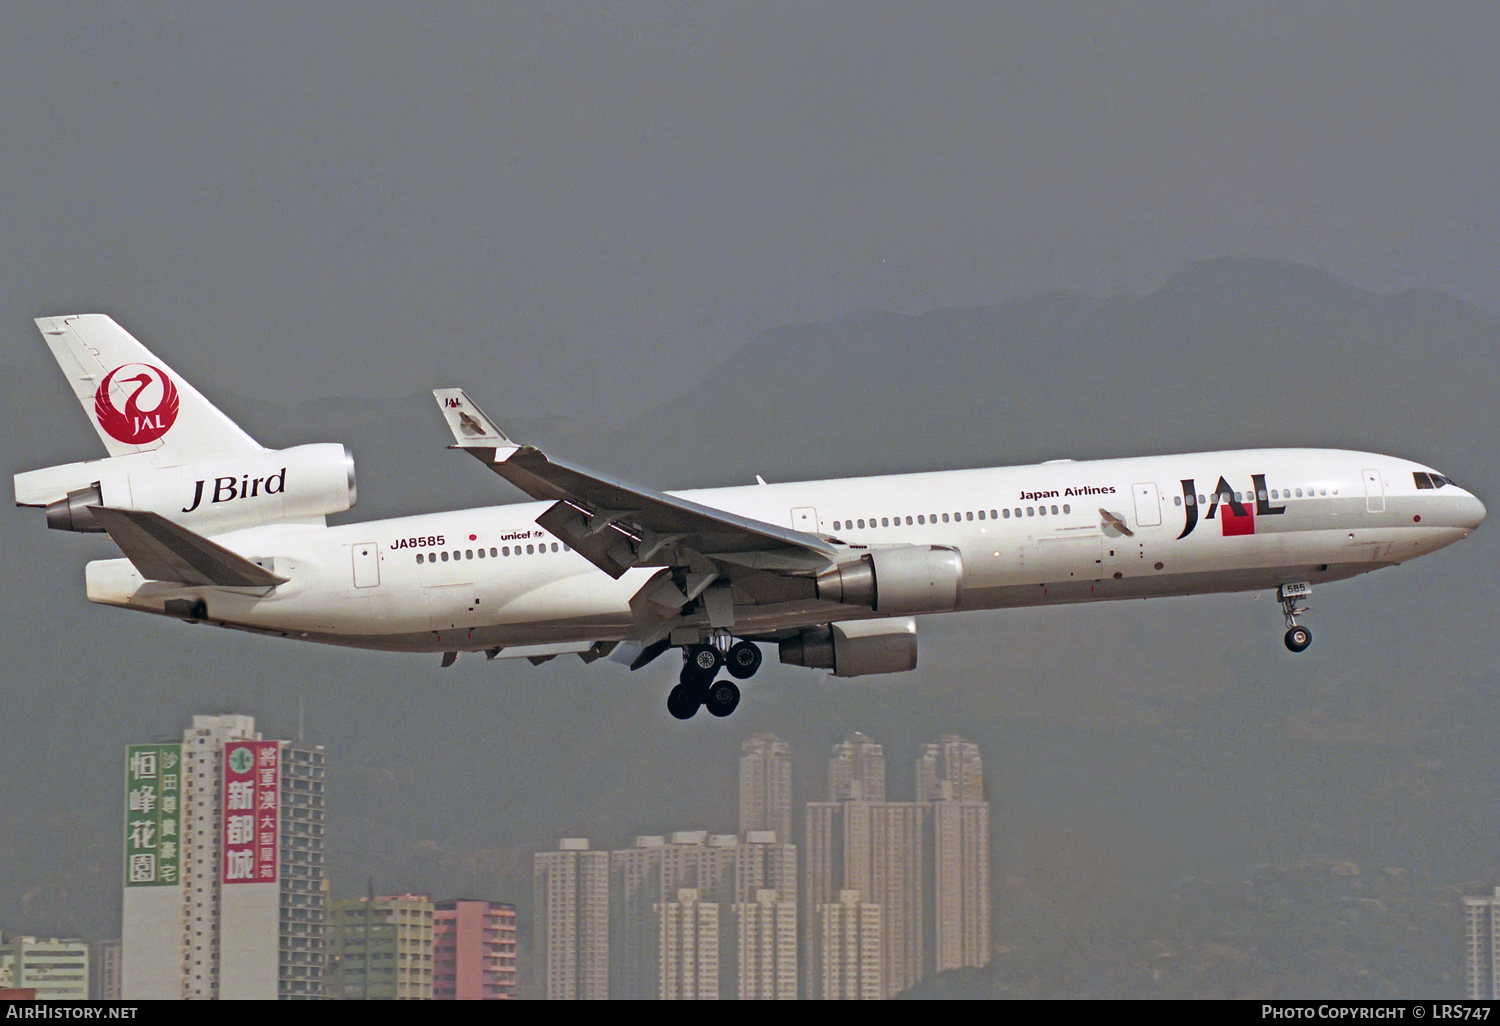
(224,493)
(896,581)
(855,648)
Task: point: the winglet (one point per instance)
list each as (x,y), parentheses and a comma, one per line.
(471,428)
(164,551)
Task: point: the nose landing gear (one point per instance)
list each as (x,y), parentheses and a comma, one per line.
(696,686)
(1298,637)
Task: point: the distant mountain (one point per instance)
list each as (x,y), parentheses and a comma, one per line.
(1227,354)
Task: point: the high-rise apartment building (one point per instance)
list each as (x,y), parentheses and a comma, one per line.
(950,769)
(1482,947)
(57,969)
(382,949)
(850,961)
(224,879)
(474,951)
(950,776)
(571,911)
(875,848)
(856,770)
(766,786)
(688,939)
(765,943)
(925,864)
(649,875)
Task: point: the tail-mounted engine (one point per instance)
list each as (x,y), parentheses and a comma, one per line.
(219,494)
(896,581)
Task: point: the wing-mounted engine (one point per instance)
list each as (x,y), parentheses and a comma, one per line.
(855,648)
(222,493)
(896,581)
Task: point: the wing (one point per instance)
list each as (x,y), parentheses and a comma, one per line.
(617,525)
(722,558)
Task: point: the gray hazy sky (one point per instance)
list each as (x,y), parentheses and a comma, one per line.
(585,206)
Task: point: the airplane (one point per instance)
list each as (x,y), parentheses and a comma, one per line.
(216,529)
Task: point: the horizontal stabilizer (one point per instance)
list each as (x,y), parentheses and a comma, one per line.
(163,551)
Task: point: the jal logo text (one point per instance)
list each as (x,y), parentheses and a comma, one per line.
(1235,517)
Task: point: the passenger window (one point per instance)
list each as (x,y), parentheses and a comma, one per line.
(1299,493)
(432,557)
(1323,491)
(554,546)
(861,523)
(505,550)
(921,519)
(1018,512)
(468,553)
(530,550)
(445,557)
(994,514)
(969,516)
(908,521)
(1031,511)
(981,514)
(1007,513)
(492,552)
(945,518)
(419,557)
(1067,508)
(885,521)
(1202,500)
(1261,495)
(1191,499)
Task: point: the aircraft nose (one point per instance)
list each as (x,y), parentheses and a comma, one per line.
(1474,512)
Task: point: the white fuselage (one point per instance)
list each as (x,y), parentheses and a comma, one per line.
(1052,533)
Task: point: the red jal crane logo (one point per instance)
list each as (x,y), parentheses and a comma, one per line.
(133,425)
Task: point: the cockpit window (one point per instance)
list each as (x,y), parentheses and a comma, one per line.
(1426,480)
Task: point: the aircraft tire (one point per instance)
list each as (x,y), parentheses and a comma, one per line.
(703,662)
(683,700)
(722,699)
(743,660)
(1298,638)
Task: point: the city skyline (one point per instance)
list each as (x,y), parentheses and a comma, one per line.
(693,914)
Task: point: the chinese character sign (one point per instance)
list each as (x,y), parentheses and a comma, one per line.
(252,793)
(153,787)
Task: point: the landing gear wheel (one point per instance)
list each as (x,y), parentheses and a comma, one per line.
(722,698)
(683,700)
(703,662)
(743,660)
(1298,638)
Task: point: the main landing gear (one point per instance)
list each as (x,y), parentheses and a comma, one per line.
(697,687)
(1298,637)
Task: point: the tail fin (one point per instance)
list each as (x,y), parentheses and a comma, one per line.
(135,401)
